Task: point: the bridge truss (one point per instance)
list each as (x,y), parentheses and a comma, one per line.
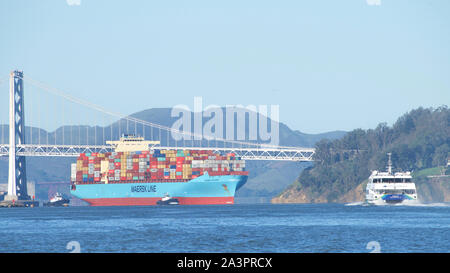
(256,153)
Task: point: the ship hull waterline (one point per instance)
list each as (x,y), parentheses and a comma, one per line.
(203,190)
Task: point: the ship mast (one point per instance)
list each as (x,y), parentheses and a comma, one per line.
(389,163)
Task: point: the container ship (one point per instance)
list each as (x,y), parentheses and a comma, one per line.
(137,173)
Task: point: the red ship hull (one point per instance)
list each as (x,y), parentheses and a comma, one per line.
(149,201)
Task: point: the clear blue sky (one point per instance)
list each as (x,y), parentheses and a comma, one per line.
(330,65)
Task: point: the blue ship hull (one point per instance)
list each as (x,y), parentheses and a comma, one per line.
(202,190)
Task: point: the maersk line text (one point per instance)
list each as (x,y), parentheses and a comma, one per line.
(226,263)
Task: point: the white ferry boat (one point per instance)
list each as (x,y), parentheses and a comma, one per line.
(386,188)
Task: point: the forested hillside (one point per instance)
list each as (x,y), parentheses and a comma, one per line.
(418,140)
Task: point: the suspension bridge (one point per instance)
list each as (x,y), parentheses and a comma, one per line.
(69,139)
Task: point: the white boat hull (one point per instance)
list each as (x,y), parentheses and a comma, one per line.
(381,202)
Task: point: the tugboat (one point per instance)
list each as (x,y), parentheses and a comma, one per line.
(167,200)
(57,201)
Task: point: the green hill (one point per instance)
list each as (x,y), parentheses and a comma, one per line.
(419,141)
(432,184)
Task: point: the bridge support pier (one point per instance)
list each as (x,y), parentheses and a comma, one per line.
(17,177)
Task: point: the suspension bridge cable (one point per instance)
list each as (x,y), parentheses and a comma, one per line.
(62,115)
(112,122)
(39,119)
(31,114)
(130,118)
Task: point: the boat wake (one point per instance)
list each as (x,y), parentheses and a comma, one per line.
(356,204)
(418,204)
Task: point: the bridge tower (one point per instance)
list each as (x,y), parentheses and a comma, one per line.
(17,177)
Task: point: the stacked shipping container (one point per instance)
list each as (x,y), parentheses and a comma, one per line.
(153,166)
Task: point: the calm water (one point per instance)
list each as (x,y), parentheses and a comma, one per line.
(235,228)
